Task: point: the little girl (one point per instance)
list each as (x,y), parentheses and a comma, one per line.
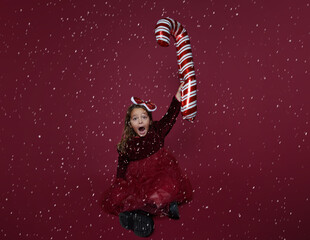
(149,181)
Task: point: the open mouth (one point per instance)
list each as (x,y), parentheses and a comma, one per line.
(142,131)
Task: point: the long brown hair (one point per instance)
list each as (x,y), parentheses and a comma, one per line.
(128,131)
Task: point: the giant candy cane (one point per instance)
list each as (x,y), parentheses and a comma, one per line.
(165,28)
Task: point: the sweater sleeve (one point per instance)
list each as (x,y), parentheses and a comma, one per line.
(165,124)
(121,166)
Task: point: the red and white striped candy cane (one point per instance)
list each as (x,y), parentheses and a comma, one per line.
(165,28)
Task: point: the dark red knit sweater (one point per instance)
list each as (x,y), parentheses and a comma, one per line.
(142,147)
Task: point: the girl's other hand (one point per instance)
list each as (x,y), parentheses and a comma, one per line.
(178,94)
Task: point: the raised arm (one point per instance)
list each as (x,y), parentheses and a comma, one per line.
(165,124)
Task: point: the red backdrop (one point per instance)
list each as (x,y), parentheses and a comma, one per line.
(68,70)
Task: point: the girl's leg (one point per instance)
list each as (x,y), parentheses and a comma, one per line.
(141,223)
(173,211)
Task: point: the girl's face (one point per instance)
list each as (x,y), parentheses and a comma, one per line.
(140,121)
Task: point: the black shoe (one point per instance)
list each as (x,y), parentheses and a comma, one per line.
(173,211)
(141,224)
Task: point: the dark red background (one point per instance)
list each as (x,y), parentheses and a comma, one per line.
(68,70)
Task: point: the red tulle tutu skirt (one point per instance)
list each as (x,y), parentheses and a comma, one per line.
(150,185)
